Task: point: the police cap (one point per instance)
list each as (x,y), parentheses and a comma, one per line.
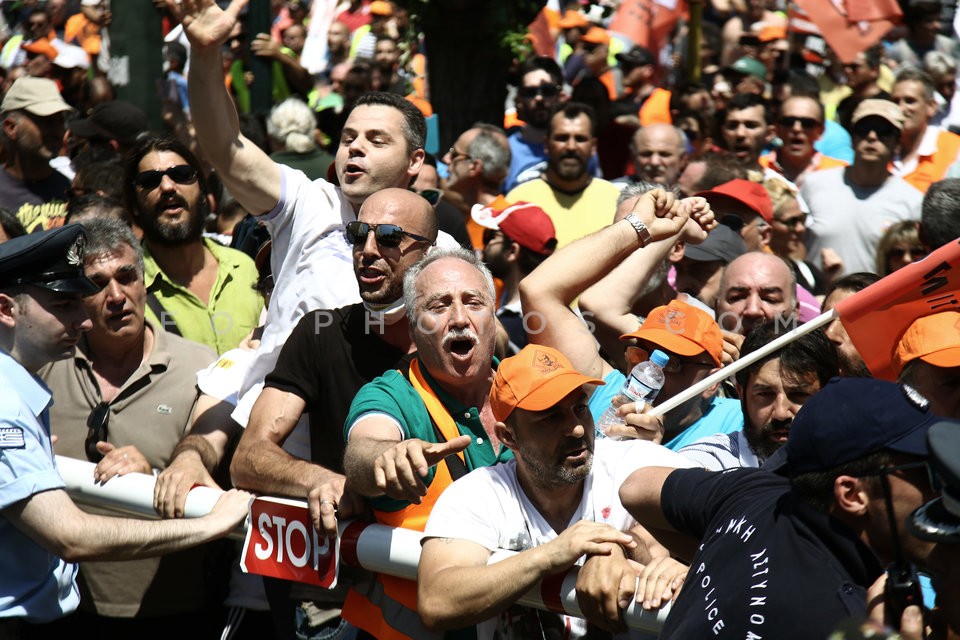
(50,259)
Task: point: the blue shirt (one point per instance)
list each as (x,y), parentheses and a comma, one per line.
(723,416)
(34,583)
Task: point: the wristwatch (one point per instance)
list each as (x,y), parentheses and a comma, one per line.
(643,233)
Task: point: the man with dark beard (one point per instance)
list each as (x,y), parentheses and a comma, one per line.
(195,287)
(851,364)
(539,94)
(578,203)
(559,475)
(516,239)
(771,391)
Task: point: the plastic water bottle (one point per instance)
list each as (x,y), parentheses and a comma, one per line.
(642,385)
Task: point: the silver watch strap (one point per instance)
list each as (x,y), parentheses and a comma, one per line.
(642,231)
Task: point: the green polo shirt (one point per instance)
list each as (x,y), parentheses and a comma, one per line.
(234,308)
(392,394)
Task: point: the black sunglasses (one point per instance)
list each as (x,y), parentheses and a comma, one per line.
(430,195)
(545,90)
(181,174)
(807,123)
(883,129)
(386,235)
(96,431)
(932,478)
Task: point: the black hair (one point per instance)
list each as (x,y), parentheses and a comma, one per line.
(150,145)
(815,488)
(542,63)
(853,282)
(741,101)
(11,224)
(414,124)
(573,110)
(810,353)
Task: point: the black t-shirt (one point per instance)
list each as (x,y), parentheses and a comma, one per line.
(768,566)
(329,355)
(39,204)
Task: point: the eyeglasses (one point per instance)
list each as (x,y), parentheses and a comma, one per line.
(430,195)
(96,431)
(913,252)
(883,129)
(545,90)
(807,123)
(386,235)
(457,155)
(790,223)
(675,364)
(181,174)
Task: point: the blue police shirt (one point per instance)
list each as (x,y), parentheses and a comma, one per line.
(34,584)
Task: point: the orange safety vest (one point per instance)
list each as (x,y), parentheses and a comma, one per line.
(387,608)
(932,168)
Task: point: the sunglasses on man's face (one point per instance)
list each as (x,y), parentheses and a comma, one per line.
(882,129)
(386,235)
(789,122)
(96,431)
(430,195)
(545,90)
(181,174)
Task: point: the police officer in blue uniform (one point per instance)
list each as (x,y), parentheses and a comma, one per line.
(42,532)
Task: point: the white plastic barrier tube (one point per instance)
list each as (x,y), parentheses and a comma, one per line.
(375,547)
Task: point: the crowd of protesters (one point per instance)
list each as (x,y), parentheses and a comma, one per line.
(316,302)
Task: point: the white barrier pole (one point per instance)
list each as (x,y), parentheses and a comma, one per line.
(729,370)
(376,547)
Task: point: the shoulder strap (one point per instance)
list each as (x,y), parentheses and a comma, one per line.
(165,319)
(444,427)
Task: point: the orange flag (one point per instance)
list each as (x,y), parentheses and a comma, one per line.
(851,26)
(647,23)
(876,317)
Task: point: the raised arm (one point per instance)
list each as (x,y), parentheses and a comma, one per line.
(547,292)
(610,303)
(249,173)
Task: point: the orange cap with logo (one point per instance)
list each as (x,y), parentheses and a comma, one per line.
(935,339)
(682,329)
(535,379)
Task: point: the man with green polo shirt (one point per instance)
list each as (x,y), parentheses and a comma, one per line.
(196,288)
(403,423)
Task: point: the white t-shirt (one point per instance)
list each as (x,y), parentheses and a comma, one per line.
(312,265)
(487,506)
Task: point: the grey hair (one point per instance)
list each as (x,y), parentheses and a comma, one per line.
(291,123)
(410,291)
(915,74)
(635,189)
(488,148)
(106,235)
(938,64)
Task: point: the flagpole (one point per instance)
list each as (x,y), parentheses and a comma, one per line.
(822,320)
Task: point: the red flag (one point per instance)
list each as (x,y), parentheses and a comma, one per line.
(539,34)
(647,23)
(876,317)
(851,26)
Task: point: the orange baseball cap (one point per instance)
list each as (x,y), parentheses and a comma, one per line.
(572,19)
(682,329)
(596,35)
(381,8)
(935,339)
(535,379)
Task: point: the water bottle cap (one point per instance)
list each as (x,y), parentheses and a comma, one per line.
(659,358)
